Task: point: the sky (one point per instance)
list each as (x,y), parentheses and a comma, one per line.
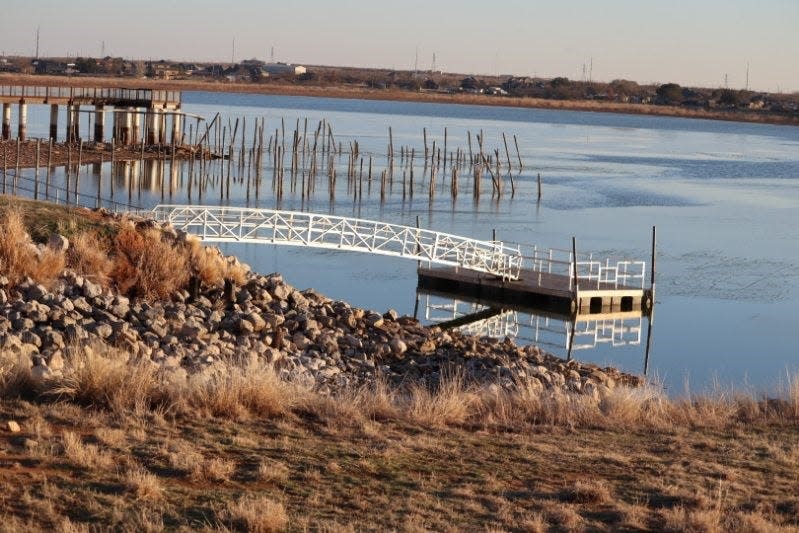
(693,43)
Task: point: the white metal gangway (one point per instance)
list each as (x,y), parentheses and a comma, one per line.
(295,228)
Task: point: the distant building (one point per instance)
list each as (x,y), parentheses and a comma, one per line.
(42,66)
(496,91)
(277,69)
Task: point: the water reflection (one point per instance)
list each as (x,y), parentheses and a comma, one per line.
(566,335)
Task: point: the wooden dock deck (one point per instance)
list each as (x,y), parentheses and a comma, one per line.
(537,290)
(90,95)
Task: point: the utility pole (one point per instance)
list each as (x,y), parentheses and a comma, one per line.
(747,76)
(233,52)
(37,42)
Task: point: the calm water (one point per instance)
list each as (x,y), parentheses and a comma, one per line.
(724,196)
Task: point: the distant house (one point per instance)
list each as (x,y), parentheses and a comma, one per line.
(496,91)
(42,66)
(758,101)
(5,66)
(164,71)
(278,69)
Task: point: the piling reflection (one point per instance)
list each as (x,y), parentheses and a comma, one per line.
(579,335)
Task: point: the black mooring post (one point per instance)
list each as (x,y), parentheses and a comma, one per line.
(652,275)
(648,342)
(574,264)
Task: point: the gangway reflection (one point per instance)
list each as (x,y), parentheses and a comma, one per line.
(558,333)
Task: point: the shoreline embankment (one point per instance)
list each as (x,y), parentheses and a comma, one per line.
(366,93)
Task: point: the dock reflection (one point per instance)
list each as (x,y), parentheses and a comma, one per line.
(565,335)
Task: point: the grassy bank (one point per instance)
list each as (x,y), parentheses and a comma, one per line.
(365,93)
(110,444)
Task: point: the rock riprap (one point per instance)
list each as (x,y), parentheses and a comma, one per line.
(308,337)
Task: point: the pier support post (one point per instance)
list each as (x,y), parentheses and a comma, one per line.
(177,129)
(99,124)
(115,120)
(124,127)
(135,130)
(6,122)
(70,117)
(161,127)
(152,126)
(73,123)
(22,131)
(54,122)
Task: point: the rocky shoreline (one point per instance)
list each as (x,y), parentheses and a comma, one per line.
(323,344)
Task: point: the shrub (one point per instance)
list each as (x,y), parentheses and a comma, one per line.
(147,265)
(88,256)
(19,257)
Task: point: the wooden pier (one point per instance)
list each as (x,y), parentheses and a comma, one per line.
(129,106)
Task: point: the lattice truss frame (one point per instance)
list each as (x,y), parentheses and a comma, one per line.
(296,228)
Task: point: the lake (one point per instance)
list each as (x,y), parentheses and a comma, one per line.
(724,197)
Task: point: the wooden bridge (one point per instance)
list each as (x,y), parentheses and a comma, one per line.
(491,271)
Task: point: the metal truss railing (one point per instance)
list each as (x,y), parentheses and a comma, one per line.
(293,228)
(591,273)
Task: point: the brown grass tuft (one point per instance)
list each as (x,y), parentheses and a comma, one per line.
(15,375)
(591,491)
(256,514)
(88,257)
(451,403)
(142,484)
(273,472)
(85,455)
(215,470)
(105,377)
(147,265)
(239,391)
(16,257)
(563,515)
(19,257)
(49,265)
(687,520)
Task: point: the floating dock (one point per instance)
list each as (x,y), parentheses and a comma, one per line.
(600,288)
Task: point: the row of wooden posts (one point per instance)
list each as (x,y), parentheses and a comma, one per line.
(307,154)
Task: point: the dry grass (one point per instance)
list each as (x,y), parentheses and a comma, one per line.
(256,514)
(88,257)
(140,261)
(83,454)
(211,267)
(105,377)
(19,258)
(147,265)
(192,469)
(142,484)
(588,491)
(273,472)
(452,403)
(15,375)
(213,470)
(241,391)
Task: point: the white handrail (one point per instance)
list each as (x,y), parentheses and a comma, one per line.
(293,228)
